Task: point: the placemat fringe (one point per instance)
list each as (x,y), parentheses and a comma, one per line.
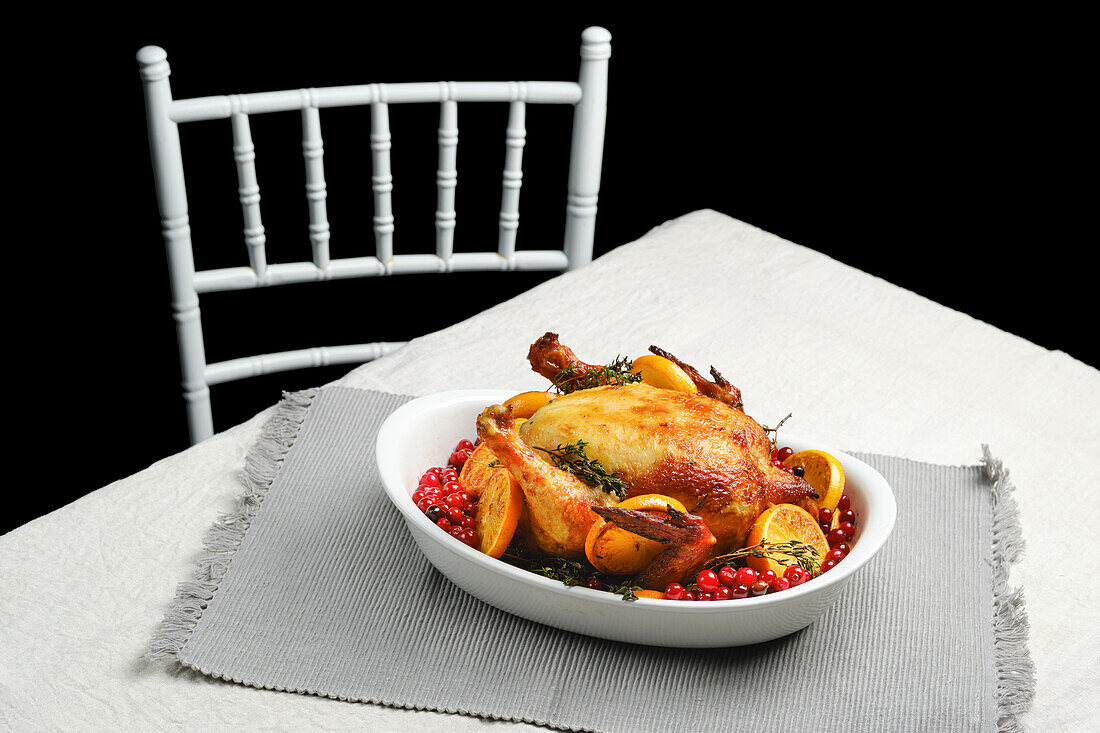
(261,465)
(1015,668)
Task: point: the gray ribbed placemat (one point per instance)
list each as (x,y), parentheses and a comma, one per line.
(327,594)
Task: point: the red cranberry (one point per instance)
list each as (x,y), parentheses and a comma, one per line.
(781,584)
(825,516)
(727,576)
(739,591)
(837,536)
(469,537)
(746,576)
(456,532)
(674,592)
(454,500)
(784,453)
(464,445)
(844,548)
(452,487)
(723,593)
(455,515)
(417,496)
(434,512)
(758,588)
(593,584)
(767,576)
(844,504)
(444,524)
(796,575)
(834,555)
(688,596)
(707,580)
(458,458)
(466,522)
(828,565)
(705,596)
(849,530)
(848,515)
(777,463)
(430,479)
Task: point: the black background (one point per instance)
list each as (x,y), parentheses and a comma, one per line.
(941,153)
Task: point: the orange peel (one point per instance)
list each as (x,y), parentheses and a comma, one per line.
(822,471)
(784,523)
(657,371)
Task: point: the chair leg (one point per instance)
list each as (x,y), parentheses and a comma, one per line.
(586,156)
(167,158)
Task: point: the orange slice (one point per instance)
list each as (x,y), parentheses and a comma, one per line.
(784,523)
(823,472)
(657,371)
(649,594)
(499,506)
(615,551)
(477,470)
(526,404)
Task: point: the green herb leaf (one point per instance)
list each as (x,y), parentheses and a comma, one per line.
(626,589)
(570,379)
(573,459)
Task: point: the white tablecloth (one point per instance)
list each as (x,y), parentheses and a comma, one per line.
(861,363)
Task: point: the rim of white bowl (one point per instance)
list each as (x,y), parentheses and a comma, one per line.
(873,535)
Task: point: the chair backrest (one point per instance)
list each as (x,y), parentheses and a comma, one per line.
(164,114)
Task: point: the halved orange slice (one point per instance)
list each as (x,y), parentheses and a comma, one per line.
(784,523)
(477,470)
(526,404)
(615,551)
(498,509)
(822,471)
(657,371)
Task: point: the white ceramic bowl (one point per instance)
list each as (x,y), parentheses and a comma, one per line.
(421,433)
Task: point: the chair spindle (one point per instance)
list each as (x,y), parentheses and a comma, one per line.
(313,151)
(248,188)
(446,176)
(381,179)
(514,139)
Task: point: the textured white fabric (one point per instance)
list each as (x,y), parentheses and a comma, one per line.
(861,363)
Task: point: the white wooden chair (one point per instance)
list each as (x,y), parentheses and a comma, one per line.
(588,95)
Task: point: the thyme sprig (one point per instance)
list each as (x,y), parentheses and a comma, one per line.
(570,379)
(626,589)
(793,552)
(495,463)
(773,433)
(572,458)
(570,572)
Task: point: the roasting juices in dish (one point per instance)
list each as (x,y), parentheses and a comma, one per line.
(642,478)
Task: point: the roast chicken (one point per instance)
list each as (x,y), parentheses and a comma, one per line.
(701,449)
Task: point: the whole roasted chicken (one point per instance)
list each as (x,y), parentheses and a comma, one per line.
(699,448)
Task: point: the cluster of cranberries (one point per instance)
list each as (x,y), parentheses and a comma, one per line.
(735,583)
(781,454)
(841,535)
(441,497)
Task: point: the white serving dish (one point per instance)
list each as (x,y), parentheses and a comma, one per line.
(421,433)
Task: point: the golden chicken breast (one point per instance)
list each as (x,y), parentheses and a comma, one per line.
(712,457)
